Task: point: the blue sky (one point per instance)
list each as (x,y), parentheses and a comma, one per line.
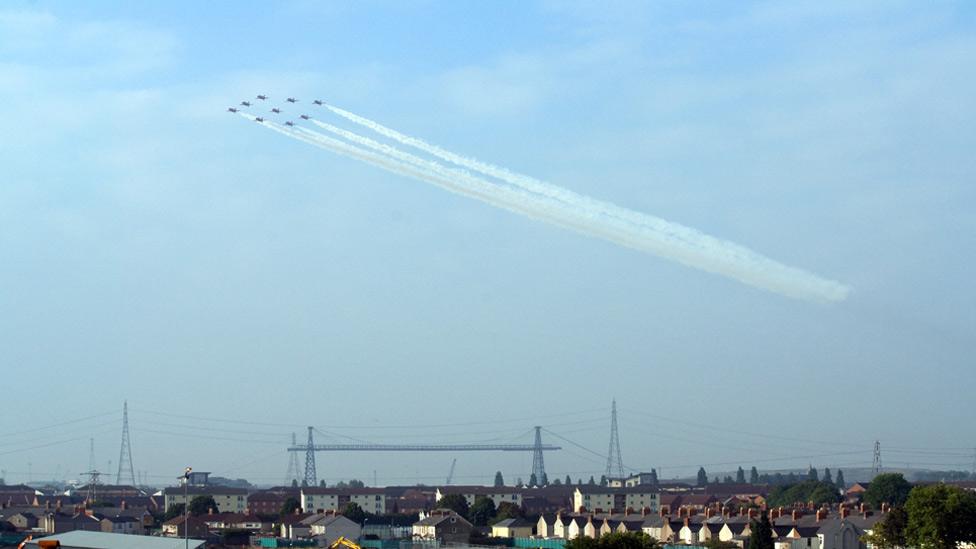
(159,250)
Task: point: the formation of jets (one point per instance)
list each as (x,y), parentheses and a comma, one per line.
(275,110)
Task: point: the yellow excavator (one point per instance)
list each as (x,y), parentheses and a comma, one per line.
(343,541)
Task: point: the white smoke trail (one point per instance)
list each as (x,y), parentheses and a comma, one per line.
(660,237)
(836,290)
(529,183)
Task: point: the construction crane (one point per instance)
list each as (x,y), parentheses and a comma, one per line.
(343,541)
(450,474)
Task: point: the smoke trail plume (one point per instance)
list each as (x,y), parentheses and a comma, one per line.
(553,204)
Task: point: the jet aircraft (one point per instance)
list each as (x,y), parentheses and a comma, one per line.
(231,109)
(289,123)
(259,119)
(291,100)
(245,103)
(276,110)
(305,117)
(262,97)
(317,102)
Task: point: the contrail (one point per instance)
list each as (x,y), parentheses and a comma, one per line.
(564,208)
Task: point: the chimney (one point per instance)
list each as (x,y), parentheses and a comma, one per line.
(692,511)
(796,515)
(885,508)
(123,506)
(709,513)
(663,511)
(298,510)
(47,504)
(209,510)
(864,507)
(686,522)
(644,511)
(820,515)
(844,512)
(681,512)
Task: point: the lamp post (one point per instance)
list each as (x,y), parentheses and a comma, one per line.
(186,506)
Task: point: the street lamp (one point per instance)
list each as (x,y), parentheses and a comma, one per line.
(186,506)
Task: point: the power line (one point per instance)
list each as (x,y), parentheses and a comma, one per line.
(54,425)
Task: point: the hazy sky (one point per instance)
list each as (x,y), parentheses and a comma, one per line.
(157,249)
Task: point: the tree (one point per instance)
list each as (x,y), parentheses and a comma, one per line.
(544,481)
(294,483)
(603,480)
(289,506)
(557,482)
(754,475)
(200,505)
(454,502)
(304,483)
(654,481)
(812,474)
(740,475)
(727,479)
(322,483)
(579,481)
(568,481)
(615,540)
(702,476)
(890,488)
(354,512)
(940,516)
(519,482)
(532,480)
(483,510)
(803,492)
(889,533)
(499,480)
(715,543)
(839,482)
(175,510)
(826,476)
(762,534)
(507,510)
(592,481)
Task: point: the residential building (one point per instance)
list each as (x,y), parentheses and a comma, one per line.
(513,528)
(122,524)
(615,500)
(443,525)
(497,494)
(371,500)
(228,500)
(269,502)
(178,526)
